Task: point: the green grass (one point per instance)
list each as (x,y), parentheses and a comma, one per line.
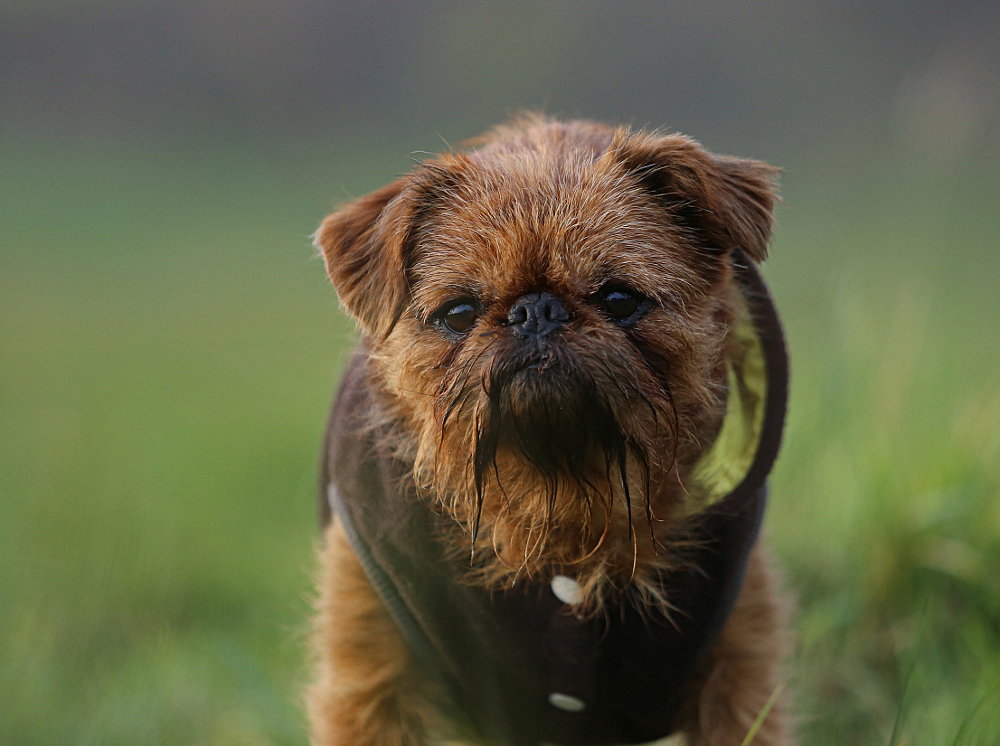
(168,348)
(886,505)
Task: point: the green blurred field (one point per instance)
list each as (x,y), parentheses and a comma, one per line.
(168,348)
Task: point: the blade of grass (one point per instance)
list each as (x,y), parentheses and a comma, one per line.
(897,725)
(763,714)
(959,736)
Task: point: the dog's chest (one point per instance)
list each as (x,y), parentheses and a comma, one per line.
(520,665)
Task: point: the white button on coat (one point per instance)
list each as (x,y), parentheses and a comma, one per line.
(566,702)
(567,590)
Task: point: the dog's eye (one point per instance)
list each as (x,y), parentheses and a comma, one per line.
(458,316)
(619,304)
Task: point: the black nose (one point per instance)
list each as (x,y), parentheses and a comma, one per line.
(537,315)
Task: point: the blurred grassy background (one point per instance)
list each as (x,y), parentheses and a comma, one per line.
(169,344)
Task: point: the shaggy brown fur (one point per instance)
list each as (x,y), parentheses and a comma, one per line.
(571,451)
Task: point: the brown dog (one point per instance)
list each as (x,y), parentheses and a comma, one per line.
(546,463)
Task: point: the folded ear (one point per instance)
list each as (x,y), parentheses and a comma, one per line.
(370,243)
(367,245)
(726,202)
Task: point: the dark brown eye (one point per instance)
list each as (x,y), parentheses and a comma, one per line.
(459,316)
(620,304)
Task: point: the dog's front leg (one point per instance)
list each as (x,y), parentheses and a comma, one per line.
(746,666)
(366,691)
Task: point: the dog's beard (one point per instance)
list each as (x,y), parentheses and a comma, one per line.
(566,442)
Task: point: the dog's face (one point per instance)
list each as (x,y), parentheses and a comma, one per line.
(549,317)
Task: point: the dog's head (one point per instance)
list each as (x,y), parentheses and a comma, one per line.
(549,314)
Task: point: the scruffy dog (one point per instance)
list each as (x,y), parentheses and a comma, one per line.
(545,470)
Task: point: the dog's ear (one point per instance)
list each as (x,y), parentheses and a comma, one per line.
(726,202)
(364,245)
(370,243)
